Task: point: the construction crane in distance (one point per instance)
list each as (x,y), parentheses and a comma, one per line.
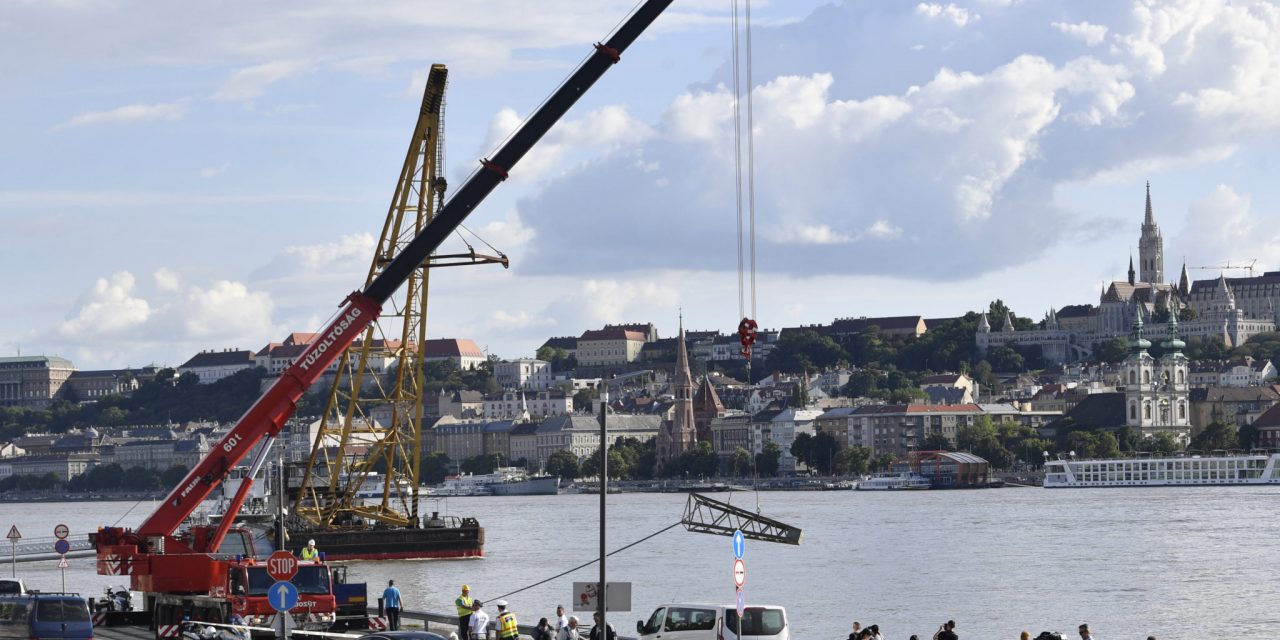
(1239,265)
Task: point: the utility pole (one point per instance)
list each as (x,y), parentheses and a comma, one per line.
(604,493)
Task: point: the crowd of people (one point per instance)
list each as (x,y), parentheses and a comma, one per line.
(473,623)
(947,631)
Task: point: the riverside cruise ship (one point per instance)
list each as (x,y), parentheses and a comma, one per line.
(1212,470)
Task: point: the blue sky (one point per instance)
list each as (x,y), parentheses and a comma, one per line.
(179,178)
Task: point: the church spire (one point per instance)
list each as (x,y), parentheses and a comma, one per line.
(1150,248)
(1184,281)
(1131,275)
(1150,220)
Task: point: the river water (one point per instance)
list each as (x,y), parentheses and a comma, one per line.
(1177,562)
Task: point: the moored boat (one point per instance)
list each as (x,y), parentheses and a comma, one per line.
(898,481)
(1194,470)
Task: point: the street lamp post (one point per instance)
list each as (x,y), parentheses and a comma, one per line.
(604,493)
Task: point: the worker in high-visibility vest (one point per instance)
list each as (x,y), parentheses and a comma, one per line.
(507,627)
(309,552)
(466,606)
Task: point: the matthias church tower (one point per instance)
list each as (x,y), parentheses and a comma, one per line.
(1150,248)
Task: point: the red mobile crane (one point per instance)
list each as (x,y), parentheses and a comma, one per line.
(195,571)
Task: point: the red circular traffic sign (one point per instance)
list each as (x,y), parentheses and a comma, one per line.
(61,531)
(281,566)
(739,573)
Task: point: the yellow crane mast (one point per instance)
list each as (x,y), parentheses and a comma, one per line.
(372,421)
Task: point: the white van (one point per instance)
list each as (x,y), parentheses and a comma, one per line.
(714,622)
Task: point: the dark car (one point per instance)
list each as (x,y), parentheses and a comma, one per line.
(45,616)
(402,635)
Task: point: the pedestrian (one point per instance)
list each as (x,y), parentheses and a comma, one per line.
(857,627)
(596,630)
(479,622)
(570,631)
(543,631)
(1085,634)
(391,603)
(466,607)
(507,627)
(915,637)
(562,621)
(875,632)
(946,631)
(1026,635)
(309,552)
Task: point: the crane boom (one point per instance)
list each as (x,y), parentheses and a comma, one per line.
(268,414)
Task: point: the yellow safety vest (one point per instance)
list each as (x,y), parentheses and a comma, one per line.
(309,554)
(463,603)
(507,627)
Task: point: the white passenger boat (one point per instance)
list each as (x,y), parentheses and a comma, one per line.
(1212,470)
(893,482)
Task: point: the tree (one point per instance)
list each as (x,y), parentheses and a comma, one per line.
(435,466)
(1112,351)
(1032,450)
(564,464)
(767,460)
(936,442)
(798,351)
(1162,443)
(173,475)
(482,464)
(801,447)
(822,452)
(883,461)
(739,462)
(1216,436)
(853,460)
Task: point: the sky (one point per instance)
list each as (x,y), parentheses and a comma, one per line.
(177,177)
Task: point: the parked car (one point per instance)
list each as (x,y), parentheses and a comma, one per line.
(402,635)
(714,622)
(12,587)
(45,616)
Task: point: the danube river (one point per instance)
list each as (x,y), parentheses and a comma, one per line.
(1173,562)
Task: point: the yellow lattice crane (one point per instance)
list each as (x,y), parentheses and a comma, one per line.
(371,428)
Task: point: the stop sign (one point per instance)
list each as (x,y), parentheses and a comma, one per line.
(282,565)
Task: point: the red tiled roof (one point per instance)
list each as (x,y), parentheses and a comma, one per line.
(451,348)
(614,333)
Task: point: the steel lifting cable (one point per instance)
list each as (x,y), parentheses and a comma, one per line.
(737,157)
(587,564)
(751,163)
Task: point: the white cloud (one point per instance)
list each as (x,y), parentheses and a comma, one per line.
(1090,34)
(957,15)
(109,308)
(811,234)
(210,172)
(607,128)
(883,229)
(227,311)
(128,114)
(1222,227)
(167,279)
(250,82)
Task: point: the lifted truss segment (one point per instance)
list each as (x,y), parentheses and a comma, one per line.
(704,515)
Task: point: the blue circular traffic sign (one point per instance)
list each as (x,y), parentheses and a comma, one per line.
(283,596)
(739,544)
(62,547)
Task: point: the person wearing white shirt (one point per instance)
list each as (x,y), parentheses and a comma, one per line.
(1085,634)
(562,621)
(479,622)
